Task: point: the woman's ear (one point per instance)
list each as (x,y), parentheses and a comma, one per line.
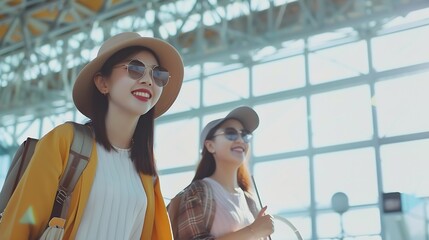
(101,84)
(210,146)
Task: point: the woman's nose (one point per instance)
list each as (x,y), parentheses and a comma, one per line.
(147,77)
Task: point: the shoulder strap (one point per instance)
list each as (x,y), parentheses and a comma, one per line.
(80,151)
(17,167)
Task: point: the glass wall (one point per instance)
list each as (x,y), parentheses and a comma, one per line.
(348,117)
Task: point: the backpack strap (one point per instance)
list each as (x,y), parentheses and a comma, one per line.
(16,170)
(80,151)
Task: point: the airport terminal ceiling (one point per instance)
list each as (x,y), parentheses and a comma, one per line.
(44,44)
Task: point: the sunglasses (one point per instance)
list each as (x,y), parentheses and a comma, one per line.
(137,69)
(233,134)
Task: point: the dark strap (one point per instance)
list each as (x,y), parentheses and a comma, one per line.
(80,151)
(27,151)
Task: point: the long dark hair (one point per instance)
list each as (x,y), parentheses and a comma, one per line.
(142,143)
(207,166)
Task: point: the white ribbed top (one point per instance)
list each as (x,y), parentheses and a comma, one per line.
(117,203)
(232,212)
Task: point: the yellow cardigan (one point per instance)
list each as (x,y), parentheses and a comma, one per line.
(29,208)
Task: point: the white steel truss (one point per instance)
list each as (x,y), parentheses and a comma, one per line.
(44,44)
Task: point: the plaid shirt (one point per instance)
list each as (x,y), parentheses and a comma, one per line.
(196,210)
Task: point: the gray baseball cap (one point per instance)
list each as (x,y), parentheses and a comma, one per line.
(246,115)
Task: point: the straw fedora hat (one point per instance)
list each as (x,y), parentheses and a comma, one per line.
(168,56)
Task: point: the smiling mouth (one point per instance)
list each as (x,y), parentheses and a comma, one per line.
(142,95)
(238,149)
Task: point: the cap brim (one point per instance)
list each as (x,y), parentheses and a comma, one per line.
(168,57)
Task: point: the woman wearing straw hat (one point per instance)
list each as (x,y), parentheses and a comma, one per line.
(132,81)
(218,203)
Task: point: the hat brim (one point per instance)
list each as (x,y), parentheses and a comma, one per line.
(168,57)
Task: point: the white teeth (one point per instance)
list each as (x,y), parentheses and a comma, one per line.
(142,94)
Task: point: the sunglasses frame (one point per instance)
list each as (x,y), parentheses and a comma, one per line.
(159,83)
(245,135)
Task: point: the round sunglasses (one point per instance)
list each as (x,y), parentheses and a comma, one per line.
(137,69)
(233,134)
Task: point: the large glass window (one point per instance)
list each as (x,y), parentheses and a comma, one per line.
(172,184)
(282,127)
(364,221)
(341,116)
(328,225)
(176,142)
(188,98)
(284,184)
(401,49)
(352,172)
(29,129)
(213,116)
(401,105)
(7,137)
(51,122)
(278,75)
(405,166)
(226,87)
(353,223)
(340,62)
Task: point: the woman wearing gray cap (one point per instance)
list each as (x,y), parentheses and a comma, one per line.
(218,203)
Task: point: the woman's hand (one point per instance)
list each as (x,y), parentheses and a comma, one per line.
(263,225)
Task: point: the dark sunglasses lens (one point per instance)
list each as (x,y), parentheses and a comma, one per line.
(160,76)
(246,136)
(231,134)
(136,69)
